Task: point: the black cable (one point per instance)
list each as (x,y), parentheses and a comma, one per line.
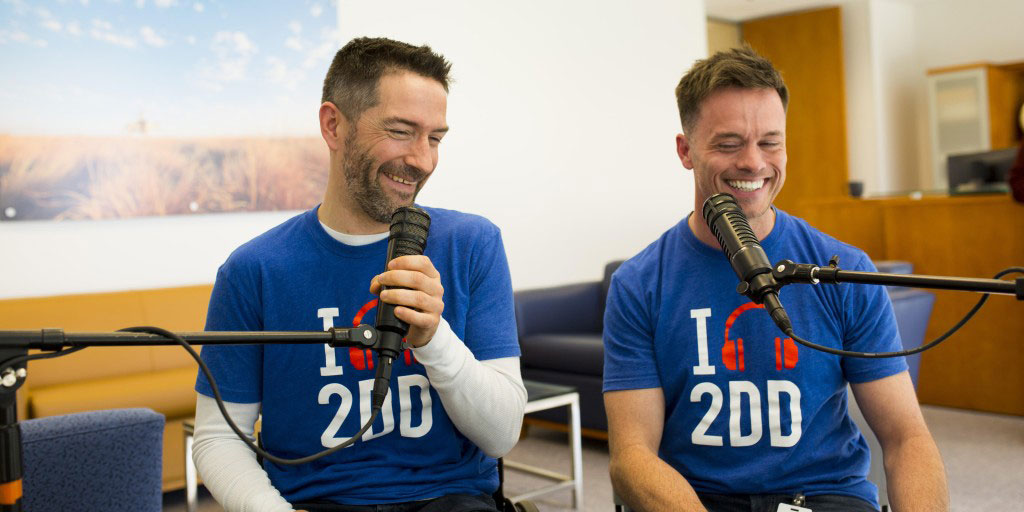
(220,404)
(15,361)
(878,355)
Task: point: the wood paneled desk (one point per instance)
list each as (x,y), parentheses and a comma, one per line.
(981,367)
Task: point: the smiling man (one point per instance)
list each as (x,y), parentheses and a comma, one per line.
(456,398)
(708,408)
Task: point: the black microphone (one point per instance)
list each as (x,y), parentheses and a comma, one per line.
(409,229)
(748,260)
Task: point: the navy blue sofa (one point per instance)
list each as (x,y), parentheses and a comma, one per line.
(560,336)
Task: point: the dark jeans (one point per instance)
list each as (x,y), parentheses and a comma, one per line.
(450,503)
(770,503)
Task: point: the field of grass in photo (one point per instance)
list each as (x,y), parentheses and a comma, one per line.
(78,177)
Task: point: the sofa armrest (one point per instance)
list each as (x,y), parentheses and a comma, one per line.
(913,310)
(568,309)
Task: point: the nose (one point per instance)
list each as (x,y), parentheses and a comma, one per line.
(421,155)
(751,159)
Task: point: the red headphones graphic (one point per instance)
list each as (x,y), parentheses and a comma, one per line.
(732,351)
(362,358)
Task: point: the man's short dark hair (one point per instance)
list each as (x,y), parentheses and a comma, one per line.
(352,80)
(740,68)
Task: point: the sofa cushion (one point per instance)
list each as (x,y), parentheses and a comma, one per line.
(575,353)
(169,392)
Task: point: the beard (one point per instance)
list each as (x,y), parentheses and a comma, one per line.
(362,177)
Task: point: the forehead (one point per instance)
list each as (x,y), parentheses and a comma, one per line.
(413,97)
(742,111)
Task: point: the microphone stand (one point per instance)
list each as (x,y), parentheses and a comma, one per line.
(787,272)
(14,346)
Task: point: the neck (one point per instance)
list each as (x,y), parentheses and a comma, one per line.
(761,225)
(340,213)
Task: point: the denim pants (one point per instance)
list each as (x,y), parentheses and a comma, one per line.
(770,503)
(450,503)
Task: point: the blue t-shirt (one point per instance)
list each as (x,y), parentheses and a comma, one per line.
(295,277)
(748,411)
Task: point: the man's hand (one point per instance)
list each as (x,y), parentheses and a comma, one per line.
(420,304)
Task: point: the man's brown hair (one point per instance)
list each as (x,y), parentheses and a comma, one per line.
(739,67)
(352,80)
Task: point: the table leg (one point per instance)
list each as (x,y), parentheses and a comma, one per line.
(576,447)
(191,486)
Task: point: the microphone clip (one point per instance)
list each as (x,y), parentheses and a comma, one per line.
(364,335)
(789,272)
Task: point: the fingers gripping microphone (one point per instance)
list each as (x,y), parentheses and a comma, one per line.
(748,260)
(409,229)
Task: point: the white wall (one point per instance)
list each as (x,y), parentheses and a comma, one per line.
(953,32)
(562,118)
(879,51)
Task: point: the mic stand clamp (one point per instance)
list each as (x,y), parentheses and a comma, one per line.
(363,335)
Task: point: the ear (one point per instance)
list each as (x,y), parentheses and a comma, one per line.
(333,125)
(683,149)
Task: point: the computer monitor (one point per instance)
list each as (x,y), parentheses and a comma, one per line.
(982,172)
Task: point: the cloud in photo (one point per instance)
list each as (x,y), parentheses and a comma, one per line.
(150,37)
(104,31)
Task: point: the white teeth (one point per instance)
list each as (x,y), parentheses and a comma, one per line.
(746,186)
(400,180)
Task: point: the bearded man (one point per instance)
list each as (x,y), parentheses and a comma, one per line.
(456,397)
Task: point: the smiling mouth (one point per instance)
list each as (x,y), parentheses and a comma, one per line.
(747,185)
(397,179)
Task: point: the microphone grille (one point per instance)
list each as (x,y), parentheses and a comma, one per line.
(409,229)
(724,206)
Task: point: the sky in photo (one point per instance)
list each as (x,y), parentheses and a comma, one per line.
(176,68)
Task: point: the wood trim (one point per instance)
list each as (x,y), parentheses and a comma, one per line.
(588,433)
(958,67)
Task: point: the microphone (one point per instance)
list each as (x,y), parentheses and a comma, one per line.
(409,229)
(748,260)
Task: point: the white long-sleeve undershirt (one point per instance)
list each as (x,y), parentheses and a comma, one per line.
(484,399)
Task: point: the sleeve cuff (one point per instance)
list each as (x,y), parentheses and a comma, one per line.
(437,352)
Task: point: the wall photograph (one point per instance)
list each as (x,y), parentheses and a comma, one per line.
(112,109)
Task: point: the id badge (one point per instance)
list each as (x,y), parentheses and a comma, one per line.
(786,507)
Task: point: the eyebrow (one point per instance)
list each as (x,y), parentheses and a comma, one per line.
(414,124)
(734,135)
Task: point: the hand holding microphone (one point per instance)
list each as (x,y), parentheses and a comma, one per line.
(413,286)
(415,301)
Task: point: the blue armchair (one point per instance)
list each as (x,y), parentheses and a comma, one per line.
(93,461)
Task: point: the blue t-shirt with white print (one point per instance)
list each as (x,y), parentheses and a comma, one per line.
(296,277)
(748,411)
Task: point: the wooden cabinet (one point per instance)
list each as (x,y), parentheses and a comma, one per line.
(980,367)
(973,108)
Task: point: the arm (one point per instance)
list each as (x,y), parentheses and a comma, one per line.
(639,476)
(484,399)
(228,466)
(913,467)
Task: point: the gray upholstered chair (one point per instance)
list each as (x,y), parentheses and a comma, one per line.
(93,461)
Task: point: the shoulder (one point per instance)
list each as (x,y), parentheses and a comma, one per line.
(461,228)
(666,249)
(278,242)
(813,242)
